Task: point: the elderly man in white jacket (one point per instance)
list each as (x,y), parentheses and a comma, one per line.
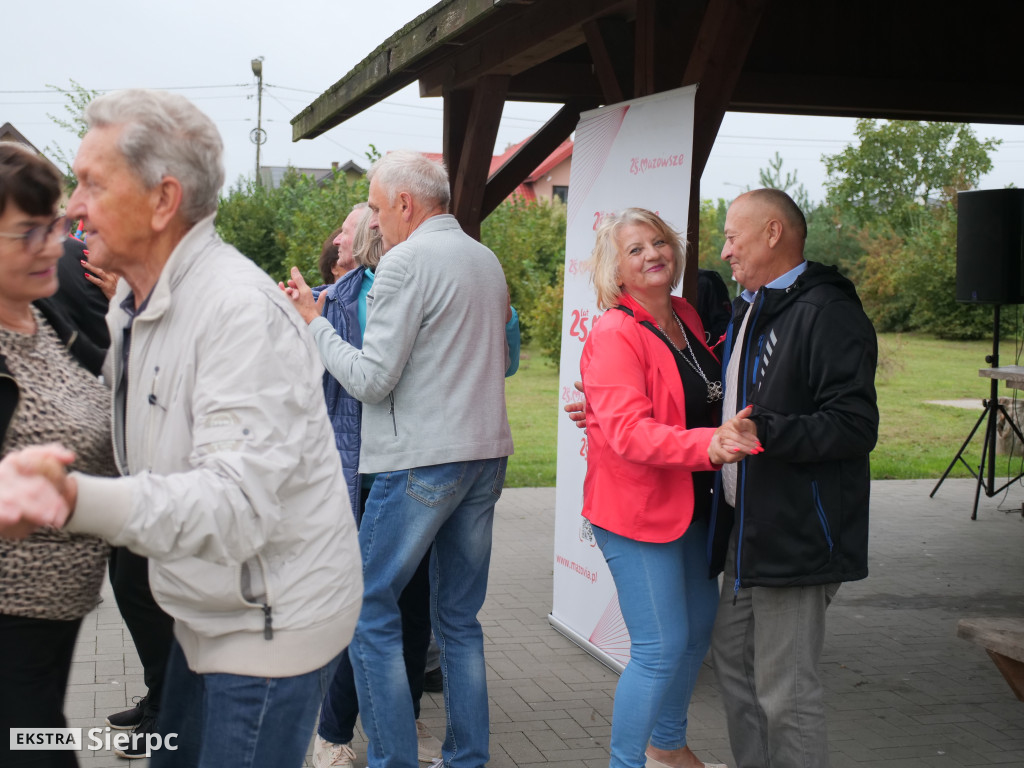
(232,486)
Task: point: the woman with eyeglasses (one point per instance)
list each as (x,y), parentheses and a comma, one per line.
(49,393)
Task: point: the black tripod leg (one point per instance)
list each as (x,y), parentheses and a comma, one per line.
(992,406)
(959,454)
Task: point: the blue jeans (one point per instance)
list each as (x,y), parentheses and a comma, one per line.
(451,506)
(237,720)
(668,603)
(341,706)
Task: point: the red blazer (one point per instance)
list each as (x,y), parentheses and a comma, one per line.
(640,453)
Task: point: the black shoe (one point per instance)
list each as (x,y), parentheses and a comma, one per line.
(137,744)
(127,720)
(433,681)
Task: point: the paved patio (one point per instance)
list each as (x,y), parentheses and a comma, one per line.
(902,690)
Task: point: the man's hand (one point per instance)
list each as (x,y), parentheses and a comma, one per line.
(35,490)
(302,297)
(577,409)
(735,439)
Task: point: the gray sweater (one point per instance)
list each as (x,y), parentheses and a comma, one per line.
(431,373)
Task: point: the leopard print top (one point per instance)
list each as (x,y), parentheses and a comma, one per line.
(53,574)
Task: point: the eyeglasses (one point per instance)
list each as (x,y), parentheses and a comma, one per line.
(37,237)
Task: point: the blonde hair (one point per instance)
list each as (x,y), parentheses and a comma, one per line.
(604,259)
(367,245)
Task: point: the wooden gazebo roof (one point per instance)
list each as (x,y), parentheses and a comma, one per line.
(897,59)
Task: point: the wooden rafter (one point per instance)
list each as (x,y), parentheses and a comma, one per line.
(456,124)
(602,36)
(532,154)
(520,46)
(470,178)
(716,59)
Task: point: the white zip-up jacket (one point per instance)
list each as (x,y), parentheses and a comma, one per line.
(431,372)
(233,486)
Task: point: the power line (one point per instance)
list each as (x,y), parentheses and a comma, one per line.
(58,89)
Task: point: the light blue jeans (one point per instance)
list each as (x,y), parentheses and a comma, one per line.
(668,603)
(236,720)
(451,506)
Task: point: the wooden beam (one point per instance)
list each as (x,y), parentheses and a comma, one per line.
(531,154)
(893,99)
(556,82)
(453,132)
(388,69)
(599,34)
(645,37)
(716,60)
(692,240)
(541,32)
(1012,670)
(475,159)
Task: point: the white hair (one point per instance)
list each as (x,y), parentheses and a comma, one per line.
(407,171)
(166,135)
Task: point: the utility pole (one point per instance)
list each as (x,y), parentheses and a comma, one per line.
(258,136)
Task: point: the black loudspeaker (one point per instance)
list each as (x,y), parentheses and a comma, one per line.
(990,246)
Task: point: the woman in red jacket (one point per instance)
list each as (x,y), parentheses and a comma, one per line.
(653,399)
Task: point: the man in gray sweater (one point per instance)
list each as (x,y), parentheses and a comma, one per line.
(435,430)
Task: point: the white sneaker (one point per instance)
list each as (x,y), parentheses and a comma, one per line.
(428,749)
(327,754)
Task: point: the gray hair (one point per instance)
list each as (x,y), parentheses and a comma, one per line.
(166,135)
(367,244)
(604,259)
(406,171)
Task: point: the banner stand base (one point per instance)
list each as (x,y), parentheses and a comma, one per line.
(586,645)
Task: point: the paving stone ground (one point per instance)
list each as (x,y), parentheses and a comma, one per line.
(902,690)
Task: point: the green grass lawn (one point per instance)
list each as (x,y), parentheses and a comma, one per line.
(532,399)
(915,440)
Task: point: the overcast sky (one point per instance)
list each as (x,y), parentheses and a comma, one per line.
(203,50)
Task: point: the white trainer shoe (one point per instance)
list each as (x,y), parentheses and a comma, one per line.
(327,754)
(428,748)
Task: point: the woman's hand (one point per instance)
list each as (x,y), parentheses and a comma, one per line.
(735,439)
(106,281)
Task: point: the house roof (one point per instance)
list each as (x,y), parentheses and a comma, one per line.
(271,175)
(9,133)
(525,189)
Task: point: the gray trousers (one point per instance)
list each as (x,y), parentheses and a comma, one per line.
(765,650)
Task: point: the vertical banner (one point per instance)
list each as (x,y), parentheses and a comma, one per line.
(636,153)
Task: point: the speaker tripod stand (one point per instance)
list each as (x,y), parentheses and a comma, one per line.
(986,474)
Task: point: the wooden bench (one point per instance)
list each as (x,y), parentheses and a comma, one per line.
(1003,639)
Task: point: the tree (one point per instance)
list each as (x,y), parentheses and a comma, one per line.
(896,191)
(772,178)
(76,99)
(900,168)
(286,226)
(528,237)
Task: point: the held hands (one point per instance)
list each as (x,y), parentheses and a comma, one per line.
(302,297)
(735,439)
(35,490)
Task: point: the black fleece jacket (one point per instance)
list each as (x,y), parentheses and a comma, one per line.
(807,366)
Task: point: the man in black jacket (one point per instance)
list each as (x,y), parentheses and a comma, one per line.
(791,523)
